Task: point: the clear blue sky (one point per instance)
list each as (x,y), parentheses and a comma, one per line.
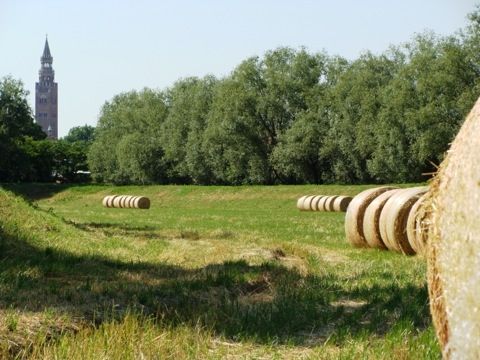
(101,48)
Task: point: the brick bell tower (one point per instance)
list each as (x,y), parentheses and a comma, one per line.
(46,96)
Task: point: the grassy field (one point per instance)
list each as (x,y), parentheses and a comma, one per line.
(207,272)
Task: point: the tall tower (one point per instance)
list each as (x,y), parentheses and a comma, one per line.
(46,96)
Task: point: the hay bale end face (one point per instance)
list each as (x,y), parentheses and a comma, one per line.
(371,220)
(321,203)
(355,213)
(454,244)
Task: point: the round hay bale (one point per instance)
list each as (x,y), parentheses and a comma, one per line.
(371,220)
(116,201)
(417,226)
(394,216)
(355,213)
(314,204)
(123,202)
(105,200)
(110,201)
(321,203)
(341,203)
(142,202)
(454,244)
(307,203)
(300,202)
(329,203)
(131,202)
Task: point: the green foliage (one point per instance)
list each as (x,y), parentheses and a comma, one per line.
(17,129)
(296,117)
(85,133)
(128,123)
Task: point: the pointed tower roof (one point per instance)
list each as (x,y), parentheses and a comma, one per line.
(46,52)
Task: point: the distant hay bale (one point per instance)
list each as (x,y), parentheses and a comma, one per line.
(394,216)
(105,200)
(371,220)
(300,202)
(116,201)
(110,201)
(315,200)
(329,203)
(355,213)
(126,201)
(454,245)
(307,203)
(321,203)
(341,203)
(142,202)
(131,202)
(417,226)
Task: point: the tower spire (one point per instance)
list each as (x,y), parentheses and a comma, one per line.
(46,57)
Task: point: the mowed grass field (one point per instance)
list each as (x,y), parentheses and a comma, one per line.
(205,273)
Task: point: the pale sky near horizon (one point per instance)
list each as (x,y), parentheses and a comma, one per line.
(105,47)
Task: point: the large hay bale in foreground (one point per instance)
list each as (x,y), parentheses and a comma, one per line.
(341,203)
(371,220)
(356,212)
(394,216)
(454,245)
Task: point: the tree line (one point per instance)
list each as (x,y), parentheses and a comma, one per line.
(292,117)
(296,117)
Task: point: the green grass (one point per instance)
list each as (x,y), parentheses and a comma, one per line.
(207,272)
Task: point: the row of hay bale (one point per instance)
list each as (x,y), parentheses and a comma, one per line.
(126,201)
(323,203)
(388,218)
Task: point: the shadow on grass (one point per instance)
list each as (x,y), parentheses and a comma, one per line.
(234,299)
(33,192)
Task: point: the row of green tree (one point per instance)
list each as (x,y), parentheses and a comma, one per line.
(296,117)
(26,154)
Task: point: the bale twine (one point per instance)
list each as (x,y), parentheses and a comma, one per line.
(417,226)
(355,213)
(454,244)
(307,203)
(341,203)
(315,200)
(300,202)
(371,220)
(329,203)
(141,202)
